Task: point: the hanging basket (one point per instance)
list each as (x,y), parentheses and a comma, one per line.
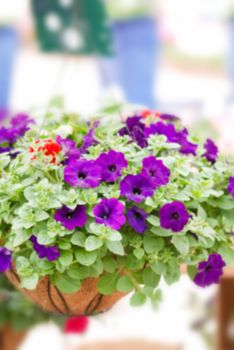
(88,301)
(10,339)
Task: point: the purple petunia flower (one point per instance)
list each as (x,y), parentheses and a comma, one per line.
(212,151)
(110,212)
(5,259)
(161,128)
(136,188)
(88,141)
(188,147)
(19,126)
(168,117)
(111,163)
(50,253)
(5,149)
(155,171)
(136,130)
(137,219)
(20,123)
(231,186)
(69,147)
(174,216)
(172,135)
(6,136)
(210,271)
(83,173)
(71,218)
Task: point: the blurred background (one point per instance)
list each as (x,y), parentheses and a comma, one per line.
(176,56)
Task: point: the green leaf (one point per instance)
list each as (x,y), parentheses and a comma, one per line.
(66,284)
(156,298)
(85,258)
(227,254)
(150,278)
(21,237)
(64,245)
(110,264)
(81,272)
(29,282)
(138,299)
(153,220)
(114,236)
(133,263)
(107,284)
(158,231)
(115,247)
(95,228)
(201,212)
(139,253)
(78,239)
(93,243)
(23,267)
(66,258)
(44,239)
(41,215)
(74,271)
(172,274)
(191,271)
(124,284)
(181,243)
(159,267)
(152,244)
(223,203)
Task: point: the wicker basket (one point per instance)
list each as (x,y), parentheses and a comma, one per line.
(87,301)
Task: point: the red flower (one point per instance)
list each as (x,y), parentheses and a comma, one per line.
(48,147)
(76,325)
(147,112)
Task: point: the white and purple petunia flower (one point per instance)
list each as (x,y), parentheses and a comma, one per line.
(174,216)
(231,186)
(137,219)
(210,271)
(51,253)
(212,151)
(112,163)
(69,147)
(110,212)
(5,259)
(155,171)
(83,173)
(136,188)
(71,218)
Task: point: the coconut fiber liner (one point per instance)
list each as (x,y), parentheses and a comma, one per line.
(10,339)
(87,301)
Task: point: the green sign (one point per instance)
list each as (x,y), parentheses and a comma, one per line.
(73,26)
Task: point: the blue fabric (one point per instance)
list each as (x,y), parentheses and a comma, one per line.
(8,46)
(137,50)
(231,54)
